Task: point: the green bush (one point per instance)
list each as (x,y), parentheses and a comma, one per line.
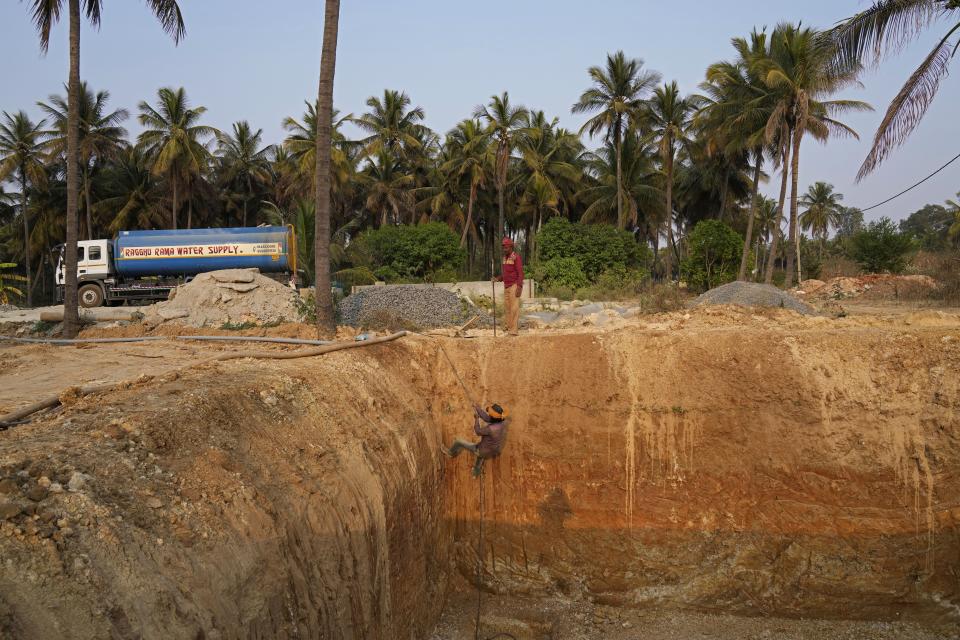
(562,272)
(444,274)
(354,276)
(881,248)
(386,274)
(596,247)
(407,251)
(714,255)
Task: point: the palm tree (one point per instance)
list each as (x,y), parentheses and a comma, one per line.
(390,189)
(468,160)
(328,63)
(101,136)
(738,105)
(769,219)
(822,211)
(617,96)
(642,201)
(801,72)
(243,160)
(21,158)
(45,14)
(548,172)
(132,194)
(668,115)
(886,27)
(393,126)
(172,140)
(302,145)
(504,121)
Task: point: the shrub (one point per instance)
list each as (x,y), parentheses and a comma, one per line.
(349,278)
(714,255)
(407,251)
(882,248)
(597,247)
(443,274)
(562,272)
(387,274)
(662,298)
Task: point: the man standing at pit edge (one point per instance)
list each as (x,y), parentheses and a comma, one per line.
(511,274)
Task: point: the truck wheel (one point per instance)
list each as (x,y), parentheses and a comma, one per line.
(90,296)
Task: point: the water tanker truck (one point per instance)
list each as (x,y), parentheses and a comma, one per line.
(146,265)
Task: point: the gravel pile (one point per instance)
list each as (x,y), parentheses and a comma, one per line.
(751,294)
(416,305)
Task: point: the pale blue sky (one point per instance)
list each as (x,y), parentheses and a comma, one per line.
(259,61)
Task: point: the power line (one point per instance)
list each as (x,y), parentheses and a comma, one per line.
(914,186)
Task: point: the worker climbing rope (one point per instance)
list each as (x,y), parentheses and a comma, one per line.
(491,425)
(493,436)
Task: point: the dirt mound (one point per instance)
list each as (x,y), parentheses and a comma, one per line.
(227,297)
(416,305)
(868,287)
(751,294)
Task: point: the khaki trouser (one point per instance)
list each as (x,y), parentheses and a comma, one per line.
(459,445)
(511,304)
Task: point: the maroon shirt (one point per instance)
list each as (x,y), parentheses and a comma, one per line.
(493,435)
(512,270)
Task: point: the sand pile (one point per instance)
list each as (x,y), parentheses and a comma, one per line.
(867,287)
(231,296)
(751,294)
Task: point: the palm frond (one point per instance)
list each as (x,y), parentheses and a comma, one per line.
(910,104)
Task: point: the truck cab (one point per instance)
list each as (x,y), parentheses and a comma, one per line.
(94,266)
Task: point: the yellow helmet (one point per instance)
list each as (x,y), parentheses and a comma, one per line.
(497,412)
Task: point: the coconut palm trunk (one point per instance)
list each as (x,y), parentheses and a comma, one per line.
(328,63)
(724,192)
(621,223)
(174,183)
(669,190)
(71,314)
(793,255)
(87,205)
(249,195)
(772,257)
(756,276)
(742,274)
(466,226)
(501,185)
(26,231)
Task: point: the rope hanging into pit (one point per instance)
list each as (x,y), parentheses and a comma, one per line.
(476,628)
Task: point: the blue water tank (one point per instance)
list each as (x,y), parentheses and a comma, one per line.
(187,252)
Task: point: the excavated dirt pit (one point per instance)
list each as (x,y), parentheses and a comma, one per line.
(732,480)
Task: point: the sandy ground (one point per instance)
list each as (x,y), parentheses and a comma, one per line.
(32,371)
(26,315)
